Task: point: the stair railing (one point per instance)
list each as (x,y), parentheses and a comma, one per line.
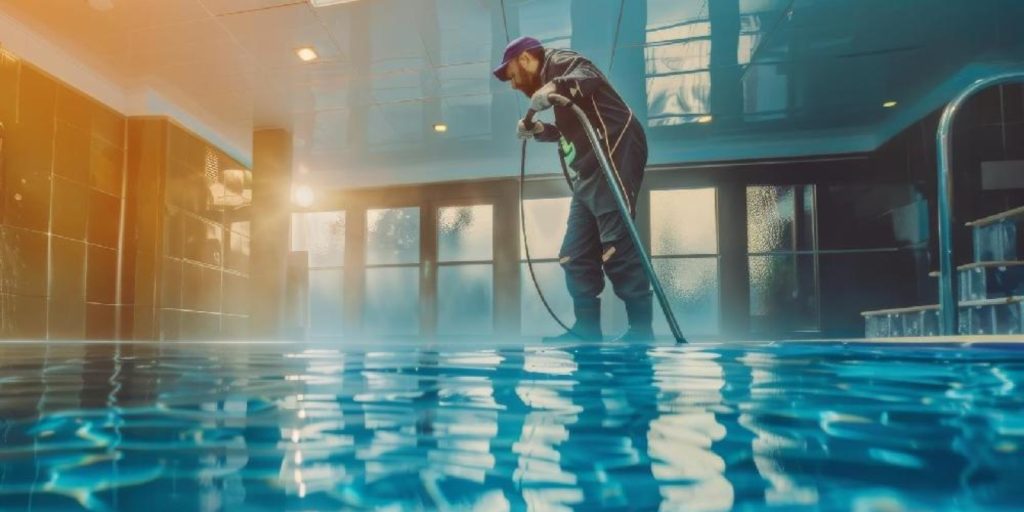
(944,142)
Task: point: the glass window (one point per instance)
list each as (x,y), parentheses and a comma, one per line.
(322,235)
(782,263)
(684,221)
(325,302)
(667,59)
(393,236)
(392,301)
(691,285)
(545,226)
(392,295)
(465,291)
(465,299)
(782,293)
(684,247)
(465,233)
(770,219)
(678,99)
(669,20)
(677,60)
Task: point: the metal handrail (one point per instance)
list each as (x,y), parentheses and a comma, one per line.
(944,143)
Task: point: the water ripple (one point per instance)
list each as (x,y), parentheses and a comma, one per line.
(710,427)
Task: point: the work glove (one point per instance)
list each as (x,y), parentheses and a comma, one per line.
(524,133)
(545,96)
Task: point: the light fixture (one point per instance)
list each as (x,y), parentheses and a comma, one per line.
(705,119)
(889,104)
(440,127)
(306,54)
(303,196)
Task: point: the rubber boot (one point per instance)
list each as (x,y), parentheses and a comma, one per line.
(640,315)
(587,326)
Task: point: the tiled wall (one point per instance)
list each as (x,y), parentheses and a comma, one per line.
(70,166)
(63,163)
(192,235)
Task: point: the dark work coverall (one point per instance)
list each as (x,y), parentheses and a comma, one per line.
(596,236)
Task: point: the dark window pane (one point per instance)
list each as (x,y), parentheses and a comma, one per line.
(783,294)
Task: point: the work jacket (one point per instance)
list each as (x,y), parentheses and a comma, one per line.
(621,134)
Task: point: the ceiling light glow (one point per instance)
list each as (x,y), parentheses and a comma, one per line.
(440,128)
(303,196)
(889,104)
(306,54)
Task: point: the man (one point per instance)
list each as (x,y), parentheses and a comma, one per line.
(596,236)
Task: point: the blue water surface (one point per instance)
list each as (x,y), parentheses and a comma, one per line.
(455,427)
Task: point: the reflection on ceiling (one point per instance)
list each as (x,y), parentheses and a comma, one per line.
(712,80)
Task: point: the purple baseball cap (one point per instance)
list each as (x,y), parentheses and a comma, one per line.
(512,50)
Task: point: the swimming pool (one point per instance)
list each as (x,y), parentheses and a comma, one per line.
(511,427)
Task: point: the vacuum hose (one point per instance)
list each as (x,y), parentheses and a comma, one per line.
(620,200)
(528,120)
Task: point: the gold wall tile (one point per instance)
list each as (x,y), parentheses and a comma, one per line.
(74,108)
(101,275)
(72,152)
(67,274)
(70,207)
(26,262)
(105,165)
(10,68)
(66,318)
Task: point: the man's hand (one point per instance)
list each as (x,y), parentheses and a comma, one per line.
(523,133)
(545,96)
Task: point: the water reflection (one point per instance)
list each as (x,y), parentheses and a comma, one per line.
(214,427)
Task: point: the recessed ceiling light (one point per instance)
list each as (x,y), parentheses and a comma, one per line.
(325,3)
(440,127)
(705,119)
(306,54)
(889,104)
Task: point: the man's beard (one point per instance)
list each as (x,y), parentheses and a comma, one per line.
(532,85)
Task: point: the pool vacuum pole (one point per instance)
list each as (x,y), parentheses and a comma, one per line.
(620,200)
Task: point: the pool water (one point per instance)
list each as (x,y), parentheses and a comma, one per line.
(509,427)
